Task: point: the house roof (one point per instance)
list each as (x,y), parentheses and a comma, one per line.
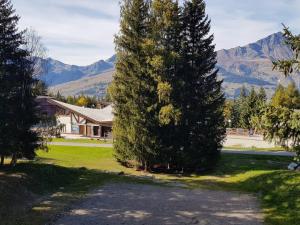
(97,115)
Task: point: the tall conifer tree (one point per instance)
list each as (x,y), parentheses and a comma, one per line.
(202,99)
(134,90)
(163,55)
(17,101)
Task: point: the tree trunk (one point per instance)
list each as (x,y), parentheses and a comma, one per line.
(146,166)
(14,160)
(2,161)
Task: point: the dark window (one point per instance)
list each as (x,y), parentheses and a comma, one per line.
(96,131)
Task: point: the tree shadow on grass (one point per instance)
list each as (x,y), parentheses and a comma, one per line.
(231,165)
(36,192)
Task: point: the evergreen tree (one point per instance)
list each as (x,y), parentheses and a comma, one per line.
(17,98)
(163,48)
(279,96)
(290,66)
(249,108)
(231,113)
(243,92)
(201,100)
(59,97)
(293,96)
(262,96)
(40,88)
(134,90)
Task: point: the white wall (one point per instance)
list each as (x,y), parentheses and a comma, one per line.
(66,120)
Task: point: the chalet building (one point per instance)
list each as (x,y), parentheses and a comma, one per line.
(87,122)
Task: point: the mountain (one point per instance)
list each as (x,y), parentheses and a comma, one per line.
(252,66)
(249,66)
(59,73)
(92,85)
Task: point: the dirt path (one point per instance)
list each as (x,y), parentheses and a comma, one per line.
(133,204)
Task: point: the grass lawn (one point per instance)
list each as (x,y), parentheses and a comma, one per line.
(84,141)
(75,170)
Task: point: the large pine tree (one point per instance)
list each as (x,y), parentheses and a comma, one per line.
(134,90)
(164,54)
(17,101)
(168,102)
(202,100)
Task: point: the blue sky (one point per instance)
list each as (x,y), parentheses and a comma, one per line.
(82,31)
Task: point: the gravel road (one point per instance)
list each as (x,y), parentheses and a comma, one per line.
(134,204)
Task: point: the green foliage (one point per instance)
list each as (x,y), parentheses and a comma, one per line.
(281,125)
(164,57)
(81,100)
(243,111)
(231,113)
(201,99)
(40,88)
(134,89)
(167,99)
(168,115)
(17,92)
(290,66)
(288,97)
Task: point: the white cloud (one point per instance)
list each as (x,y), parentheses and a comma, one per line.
(237,23)
(236,29)
(82,31)
(75,31)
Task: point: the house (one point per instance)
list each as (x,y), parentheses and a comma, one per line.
(76,120)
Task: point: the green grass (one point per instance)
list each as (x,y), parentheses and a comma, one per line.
(78,169)
(59,178)
(84,141)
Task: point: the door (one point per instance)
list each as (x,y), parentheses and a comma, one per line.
(82,130)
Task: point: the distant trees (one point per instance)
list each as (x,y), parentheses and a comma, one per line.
(17,97)
(80,100)
(242,110)
(288,97)
(281,125)
(168,102)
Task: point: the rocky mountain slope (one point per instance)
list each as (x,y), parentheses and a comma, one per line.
(252,66)
(59,73)
(249,66)
(91,85)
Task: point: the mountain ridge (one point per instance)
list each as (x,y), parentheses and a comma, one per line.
(250,66)
(59,72)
